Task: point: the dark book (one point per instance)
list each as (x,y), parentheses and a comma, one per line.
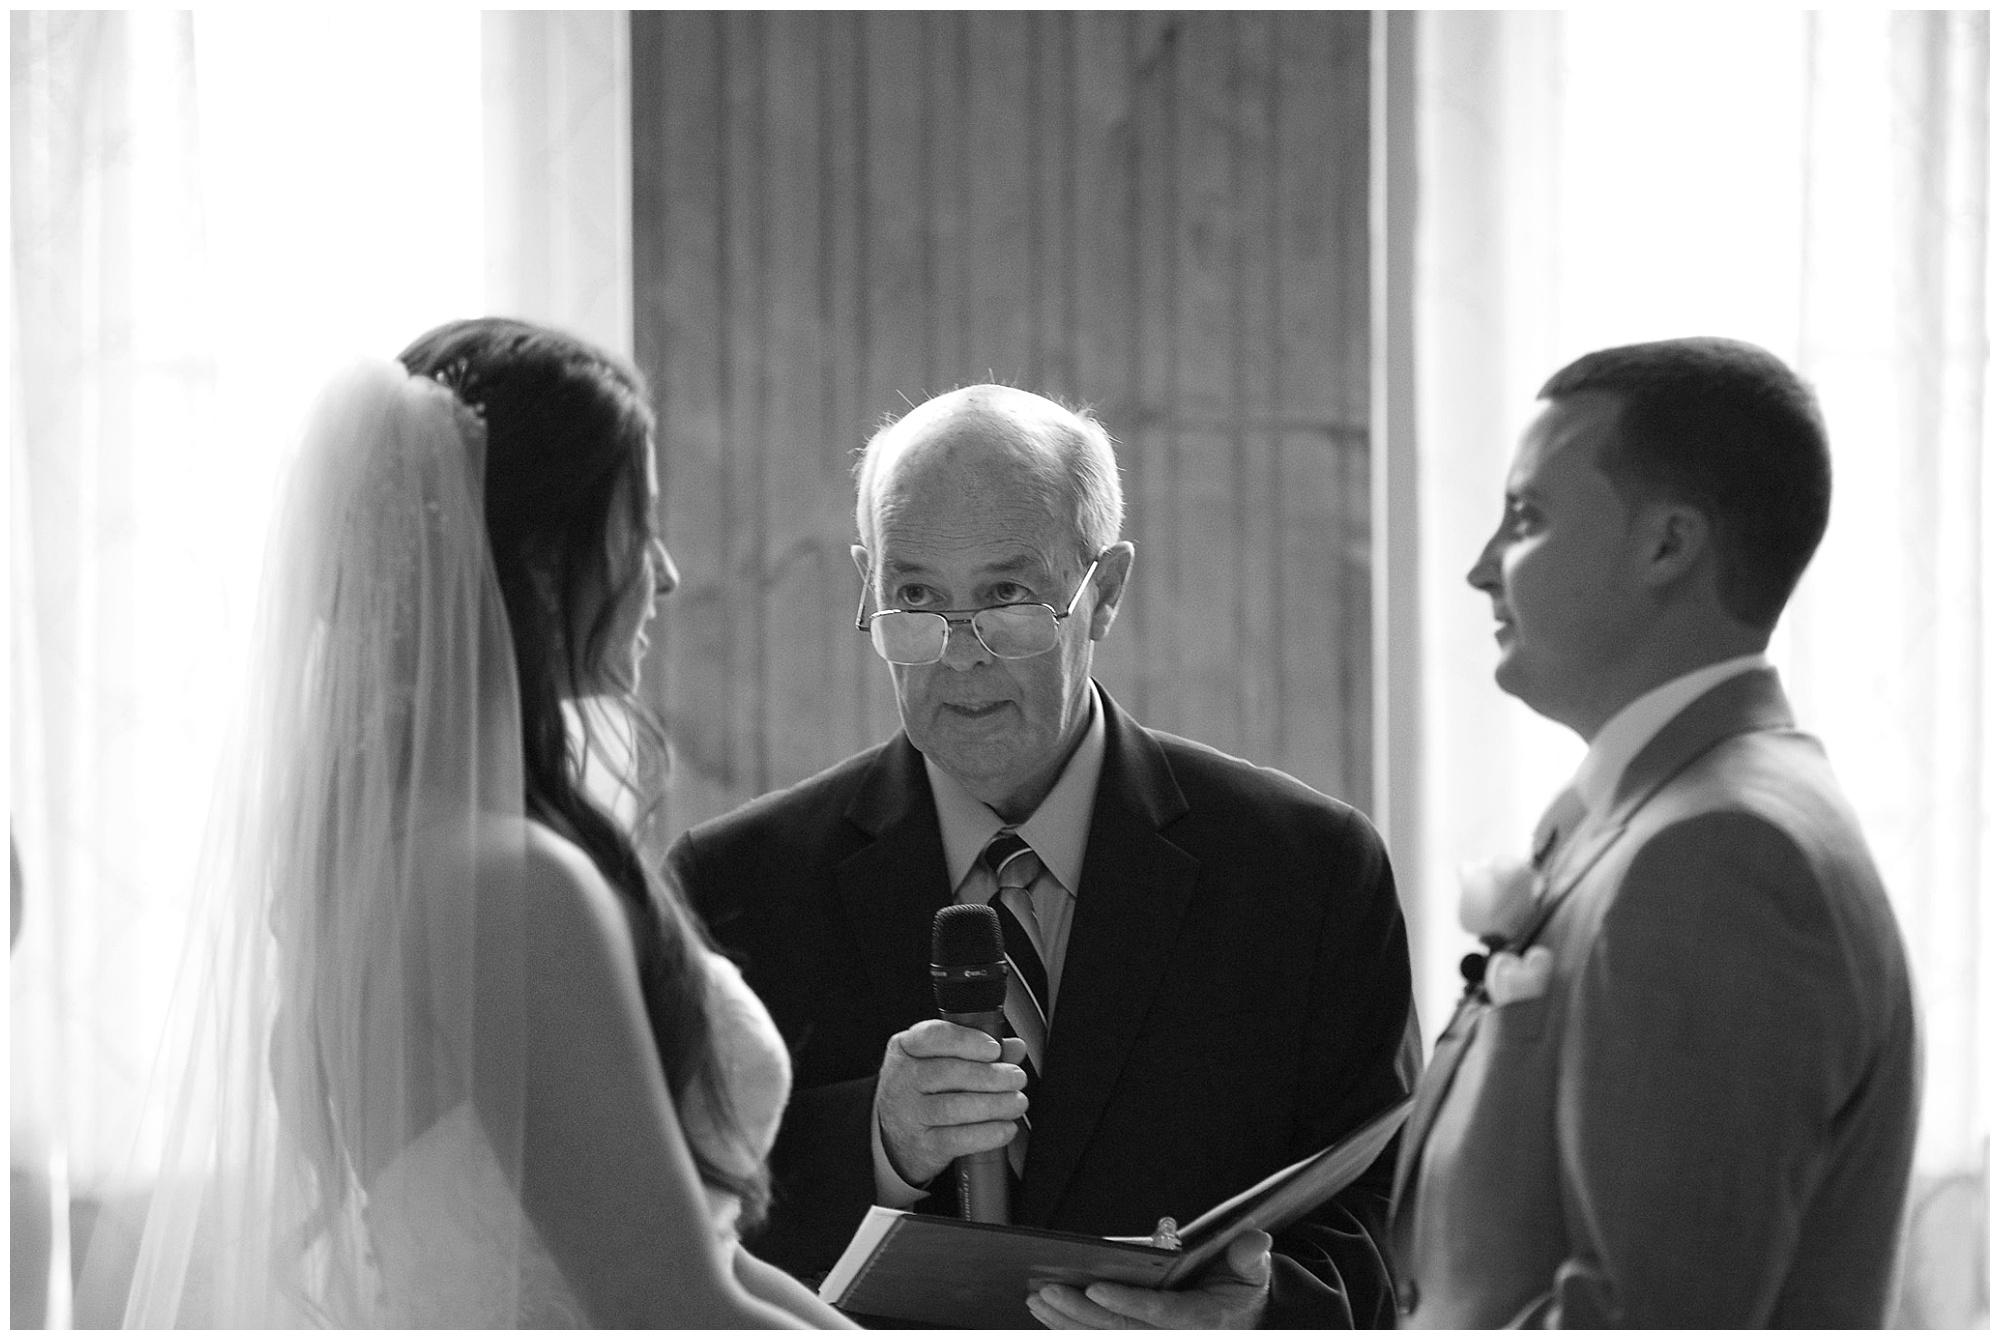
(950,1272)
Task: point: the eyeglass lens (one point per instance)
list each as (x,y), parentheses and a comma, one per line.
(918,637)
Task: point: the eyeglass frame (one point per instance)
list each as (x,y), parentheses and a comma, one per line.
(862,619)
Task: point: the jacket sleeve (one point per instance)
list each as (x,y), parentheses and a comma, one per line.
(823,1178)
(1331,1269)
(822,1172)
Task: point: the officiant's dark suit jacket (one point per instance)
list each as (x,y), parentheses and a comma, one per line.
(1235,996)
(1707,1118)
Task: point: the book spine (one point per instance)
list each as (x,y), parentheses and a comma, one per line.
(874,1259)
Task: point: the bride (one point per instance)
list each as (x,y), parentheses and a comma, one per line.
(449,1053)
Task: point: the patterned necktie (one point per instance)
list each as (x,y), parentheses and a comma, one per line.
(1015,868)
(1559,824)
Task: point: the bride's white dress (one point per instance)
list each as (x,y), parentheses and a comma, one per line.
(451,1245)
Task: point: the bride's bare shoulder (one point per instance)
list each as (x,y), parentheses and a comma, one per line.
(584,994)
(565,894)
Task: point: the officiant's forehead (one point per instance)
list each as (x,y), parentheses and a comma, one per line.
(979,524)
(976,476)
(998,442)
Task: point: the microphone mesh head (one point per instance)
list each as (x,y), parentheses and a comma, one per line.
(966,935)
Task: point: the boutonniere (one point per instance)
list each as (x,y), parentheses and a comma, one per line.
(1496,901)
(1512,977)
(1496,898)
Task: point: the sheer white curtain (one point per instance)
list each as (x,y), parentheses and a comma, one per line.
(210,212)
(1817,183)
(559,171)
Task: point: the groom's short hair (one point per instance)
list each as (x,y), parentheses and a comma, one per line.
(1726,426)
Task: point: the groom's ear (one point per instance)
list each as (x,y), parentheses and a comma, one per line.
(1676,538)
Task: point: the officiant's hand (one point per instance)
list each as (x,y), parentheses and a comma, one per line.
(945,1091)
(1230,1294)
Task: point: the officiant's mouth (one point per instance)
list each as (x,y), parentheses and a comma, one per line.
(978,711)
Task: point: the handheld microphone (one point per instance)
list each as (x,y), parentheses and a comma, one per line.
(969,975)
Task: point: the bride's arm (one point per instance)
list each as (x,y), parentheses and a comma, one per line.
(607,1176)
(774,1286)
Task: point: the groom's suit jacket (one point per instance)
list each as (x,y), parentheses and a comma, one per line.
(1235,995)
(1707,1118)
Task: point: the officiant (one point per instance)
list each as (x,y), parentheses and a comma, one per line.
(1213,977)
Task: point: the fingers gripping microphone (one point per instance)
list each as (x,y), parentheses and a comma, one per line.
(969,974)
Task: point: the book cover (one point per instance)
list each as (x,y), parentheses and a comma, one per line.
(951,1272)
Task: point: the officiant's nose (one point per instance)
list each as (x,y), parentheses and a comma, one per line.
(962,647)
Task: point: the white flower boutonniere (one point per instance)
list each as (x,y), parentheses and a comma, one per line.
(1496,898)
(1512,977)
(1496,901)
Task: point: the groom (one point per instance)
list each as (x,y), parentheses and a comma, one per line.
(1685,1093)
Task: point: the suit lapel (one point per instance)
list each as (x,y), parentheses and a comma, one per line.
(1135,887)
(1751,701)
(892,888)
(1431,1090)
(1746,702)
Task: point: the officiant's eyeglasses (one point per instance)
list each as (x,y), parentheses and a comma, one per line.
(1011,632)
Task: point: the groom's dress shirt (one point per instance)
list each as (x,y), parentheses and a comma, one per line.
(1058,830)
(1633,727)
(1703,1114)
(1233,991)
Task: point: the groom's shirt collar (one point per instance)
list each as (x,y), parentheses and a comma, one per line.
(1635,725)
(1058,830)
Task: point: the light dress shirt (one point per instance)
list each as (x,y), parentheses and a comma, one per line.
(1058,830)
(1635,724)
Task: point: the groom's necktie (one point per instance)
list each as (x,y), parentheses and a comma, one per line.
(1015,868)
(1559,824)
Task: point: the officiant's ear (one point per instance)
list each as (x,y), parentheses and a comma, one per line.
(1114,567)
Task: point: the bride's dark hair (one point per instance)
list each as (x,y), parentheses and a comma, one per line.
(566,425)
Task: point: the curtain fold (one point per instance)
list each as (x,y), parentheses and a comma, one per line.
(1892,624)
(111,392)
(111,395)
(558,112)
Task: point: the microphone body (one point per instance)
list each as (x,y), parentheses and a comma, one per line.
(969,977)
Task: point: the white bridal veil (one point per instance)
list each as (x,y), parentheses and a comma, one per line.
(353,982)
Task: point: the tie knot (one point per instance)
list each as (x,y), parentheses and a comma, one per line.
(1012,860)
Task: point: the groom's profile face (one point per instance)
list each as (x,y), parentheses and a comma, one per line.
(1561,566)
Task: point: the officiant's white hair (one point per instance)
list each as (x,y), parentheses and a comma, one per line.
(1065,453)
